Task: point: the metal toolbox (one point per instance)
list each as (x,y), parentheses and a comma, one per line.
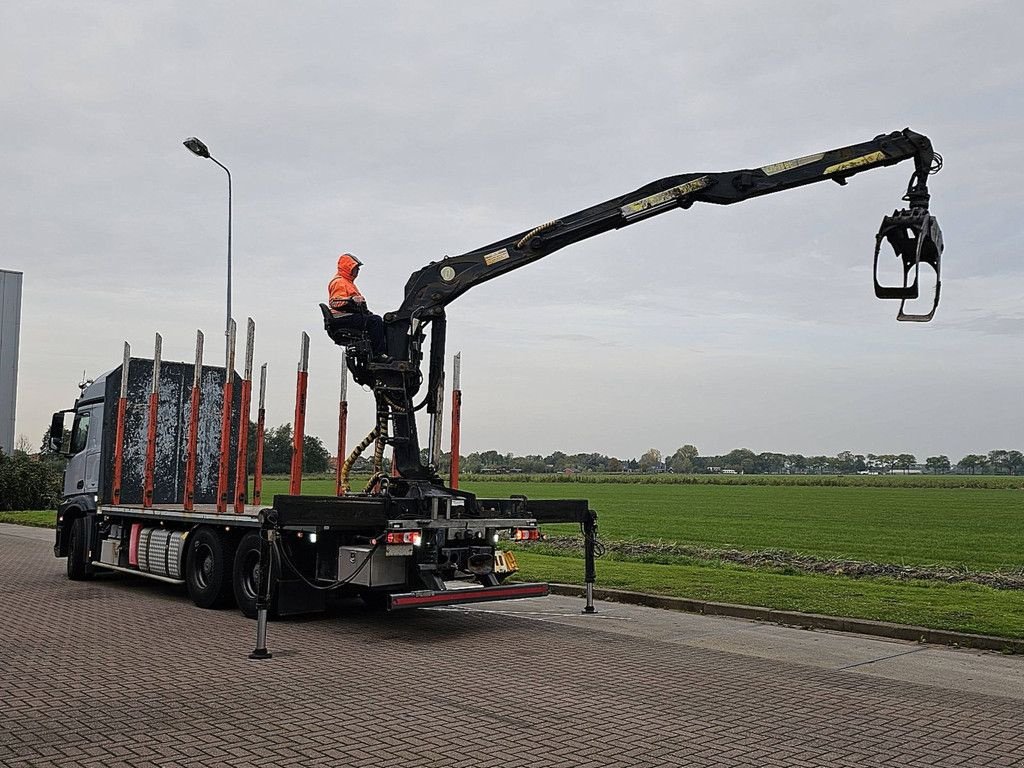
(379,571)
(110,551)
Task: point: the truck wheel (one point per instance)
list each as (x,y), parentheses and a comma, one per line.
(208,568)
(246,576)
(79,568)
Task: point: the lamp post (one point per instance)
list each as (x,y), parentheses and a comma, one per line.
(197,148)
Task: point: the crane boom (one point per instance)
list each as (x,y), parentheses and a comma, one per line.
(912,232)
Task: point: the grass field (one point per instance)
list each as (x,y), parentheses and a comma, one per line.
(977,528)
(957,607)
(37,518)
(981,529)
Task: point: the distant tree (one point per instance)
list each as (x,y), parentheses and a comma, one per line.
(999,461)
(650,460)
(1015,461)
(492,460)
(558,461)
(845,462)
(23,445)
(972,462)
(315,456)
(795,462)
(818,464)
(770,463)
(614,465)
(905,461)
(683,460)
(28,484)
(886,461)
(277,451)
(470,464)
(741,459)
(937,464)
(533,464)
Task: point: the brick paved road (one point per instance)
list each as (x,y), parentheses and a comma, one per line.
(123,671)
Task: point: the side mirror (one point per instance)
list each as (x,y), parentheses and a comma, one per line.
(56,442)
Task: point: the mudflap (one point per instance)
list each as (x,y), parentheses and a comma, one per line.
(294,597)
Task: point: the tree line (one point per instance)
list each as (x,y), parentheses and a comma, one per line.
(317,458)
(684,460)
(687,460)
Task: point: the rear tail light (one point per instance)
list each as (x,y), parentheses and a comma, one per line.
(405,537)
(525,534)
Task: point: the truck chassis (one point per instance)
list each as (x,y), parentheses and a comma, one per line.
(382,549)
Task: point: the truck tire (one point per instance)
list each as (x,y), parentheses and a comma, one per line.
(79,568)
(208,568)
(246,574)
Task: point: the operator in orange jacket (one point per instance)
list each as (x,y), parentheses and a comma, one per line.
(349,307)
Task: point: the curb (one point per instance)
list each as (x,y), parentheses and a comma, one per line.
(801,620)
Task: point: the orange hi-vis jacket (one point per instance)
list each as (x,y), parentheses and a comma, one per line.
(345,297)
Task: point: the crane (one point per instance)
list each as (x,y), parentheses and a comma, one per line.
(912,233)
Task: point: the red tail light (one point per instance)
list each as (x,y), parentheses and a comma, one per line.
(526,534)
(405,537)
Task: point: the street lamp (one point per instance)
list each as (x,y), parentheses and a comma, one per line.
(197,148)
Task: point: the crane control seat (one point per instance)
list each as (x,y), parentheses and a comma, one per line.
(356,341)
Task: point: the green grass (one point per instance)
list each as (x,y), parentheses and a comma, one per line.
(44,518)
(979,529)
(958,607)
(841,481)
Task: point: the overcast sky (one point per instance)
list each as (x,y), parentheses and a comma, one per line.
(403,132)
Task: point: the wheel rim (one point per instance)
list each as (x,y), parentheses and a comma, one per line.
(204,565)
(251,574)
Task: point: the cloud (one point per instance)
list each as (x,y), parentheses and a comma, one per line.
(404,131)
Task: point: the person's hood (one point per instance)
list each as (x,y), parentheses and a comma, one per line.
(347,264)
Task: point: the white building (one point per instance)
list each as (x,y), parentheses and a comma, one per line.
(10,331)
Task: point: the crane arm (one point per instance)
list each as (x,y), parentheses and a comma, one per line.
(441,282)
(912,232)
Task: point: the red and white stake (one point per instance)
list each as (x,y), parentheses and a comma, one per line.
(154,398)
(225,424)
(342,424)
(300,416)
(456,418)
(193,428)
(261,425)
(242,456)
(122,405)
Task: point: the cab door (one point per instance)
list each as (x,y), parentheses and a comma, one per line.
(92,449)
(78,453)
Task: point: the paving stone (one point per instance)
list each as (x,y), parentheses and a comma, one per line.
(124,671)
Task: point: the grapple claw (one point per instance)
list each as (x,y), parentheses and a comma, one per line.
(916,238)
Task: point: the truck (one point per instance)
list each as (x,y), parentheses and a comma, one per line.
(148,487)
(145,502)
